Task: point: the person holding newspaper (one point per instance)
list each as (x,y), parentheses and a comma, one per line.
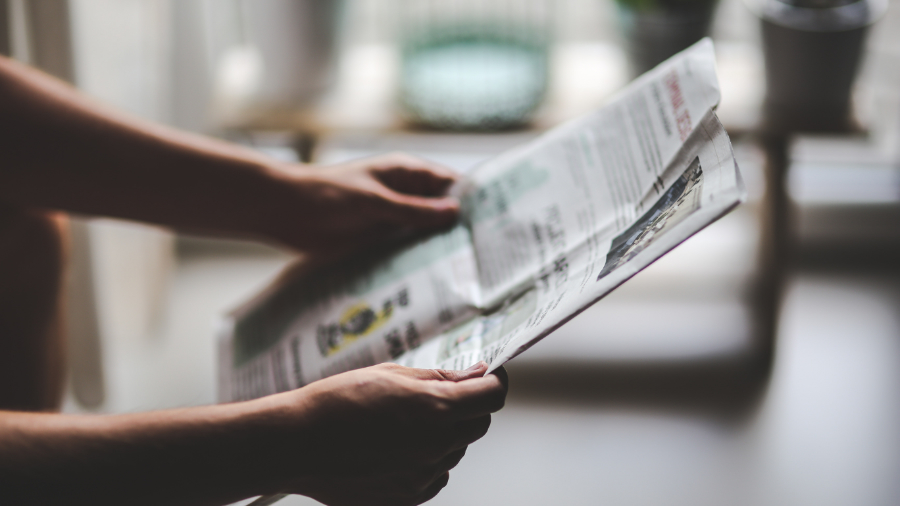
(381,435)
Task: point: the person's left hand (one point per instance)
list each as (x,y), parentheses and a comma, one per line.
(330,210)
(382,435)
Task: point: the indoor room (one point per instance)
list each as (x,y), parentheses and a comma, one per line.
(744,352)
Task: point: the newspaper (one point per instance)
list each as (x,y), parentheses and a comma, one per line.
(548,229)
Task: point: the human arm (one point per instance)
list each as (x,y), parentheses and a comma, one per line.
(60,150)
(381,435)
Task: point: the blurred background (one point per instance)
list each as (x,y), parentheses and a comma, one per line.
(757,364)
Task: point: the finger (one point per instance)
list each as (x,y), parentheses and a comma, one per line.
(474,397)
(416,211)
(411,175)
(412,482)
(501,374)
(475,371)
(432,489)
(414,181)
(439,463)
(469,431)
(451,460)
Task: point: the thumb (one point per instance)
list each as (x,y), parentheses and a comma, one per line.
(423,212)
(476,371)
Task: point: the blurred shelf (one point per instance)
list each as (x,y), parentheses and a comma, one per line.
(845,193)
(584,75)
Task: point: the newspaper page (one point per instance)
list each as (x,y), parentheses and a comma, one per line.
(548,229)
(348,316)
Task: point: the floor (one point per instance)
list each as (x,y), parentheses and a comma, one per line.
(826,430)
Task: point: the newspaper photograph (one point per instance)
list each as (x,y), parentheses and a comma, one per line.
(547,229)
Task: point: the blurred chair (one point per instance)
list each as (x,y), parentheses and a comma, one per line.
(118,271)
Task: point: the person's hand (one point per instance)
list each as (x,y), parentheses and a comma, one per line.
(337,208)
(383,435)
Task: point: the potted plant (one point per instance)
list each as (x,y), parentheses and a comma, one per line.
(654,30)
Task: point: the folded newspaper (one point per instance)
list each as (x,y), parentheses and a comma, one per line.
(548,229)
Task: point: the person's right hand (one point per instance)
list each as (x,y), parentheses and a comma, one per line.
(383,435)
(342,208)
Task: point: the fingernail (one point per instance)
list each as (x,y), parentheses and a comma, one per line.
(476,366)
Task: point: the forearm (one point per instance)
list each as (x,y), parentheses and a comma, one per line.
(197,456)
(60,150)
(381,435)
